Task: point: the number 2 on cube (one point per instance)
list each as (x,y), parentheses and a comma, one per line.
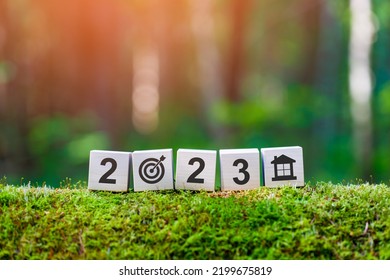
(109,171)
(104,179)
(195,169)
(192,178)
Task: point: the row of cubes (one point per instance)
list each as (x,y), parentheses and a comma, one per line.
(240,169)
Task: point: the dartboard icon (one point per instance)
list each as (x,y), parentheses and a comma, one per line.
(152,170)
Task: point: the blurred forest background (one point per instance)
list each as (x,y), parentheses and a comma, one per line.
(139,74)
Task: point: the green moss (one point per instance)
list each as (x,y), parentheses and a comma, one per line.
(321,221)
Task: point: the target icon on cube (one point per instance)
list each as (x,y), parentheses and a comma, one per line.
(152,170)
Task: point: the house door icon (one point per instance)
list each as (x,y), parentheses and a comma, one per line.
(283,168)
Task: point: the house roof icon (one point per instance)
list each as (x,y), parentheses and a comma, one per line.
(282,160)
(283,168)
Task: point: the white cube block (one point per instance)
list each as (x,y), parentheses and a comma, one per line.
(109,171)
(195,169)
(240,169)
(153,170)
(282,166)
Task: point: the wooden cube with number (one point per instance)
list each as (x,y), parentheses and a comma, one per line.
(283,166)
(240,169)
(153,170)
(195,169)
(109,171)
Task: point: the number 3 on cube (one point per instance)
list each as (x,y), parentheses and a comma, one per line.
(109,171)
(240,169)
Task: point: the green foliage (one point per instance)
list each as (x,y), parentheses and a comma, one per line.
(322,221)
(384,103)
(290,116)
(6,72)
(61,145)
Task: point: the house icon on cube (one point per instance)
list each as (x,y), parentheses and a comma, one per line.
(283,168)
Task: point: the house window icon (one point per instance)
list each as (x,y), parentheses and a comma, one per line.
(283,168)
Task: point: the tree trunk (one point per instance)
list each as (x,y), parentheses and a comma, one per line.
(3,75)
(208,61)
(239,15)
(327,82)
(360,82)
(311,17)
